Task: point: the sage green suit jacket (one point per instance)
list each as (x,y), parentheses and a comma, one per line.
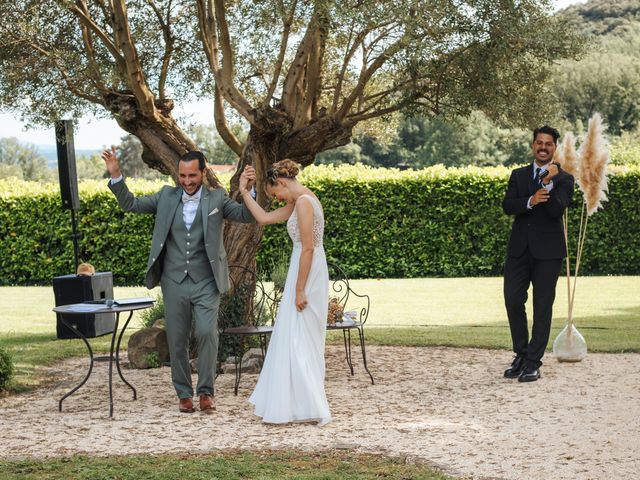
(215,207)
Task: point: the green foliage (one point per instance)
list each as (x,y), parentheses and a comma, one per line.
(379,223)
(487,55)
(6,369)
(149,316)
(607,79)
(22,161)
(152,360)
(422,142)
(211,144)
(625,149)
(129,154)
(90,167)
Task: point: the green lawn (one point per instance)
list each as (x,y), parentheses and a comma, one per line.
(229,466)
(469,312)
(431,311)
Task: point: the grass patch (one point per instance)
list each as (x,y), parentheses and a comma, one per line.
(228,466)
(457,312)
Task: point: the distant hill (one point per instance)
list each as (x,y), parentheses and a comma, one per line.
(51,154)
(606,17)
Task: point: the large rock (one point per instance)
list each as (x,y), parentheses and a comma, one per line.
(253,353)
(160,323)
(144,343)
(252,365)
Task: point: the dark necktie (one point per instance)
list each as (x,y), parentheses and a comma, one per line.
(537,179)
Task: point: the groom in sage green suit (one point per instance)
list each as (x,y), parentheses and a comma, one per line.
(189,261)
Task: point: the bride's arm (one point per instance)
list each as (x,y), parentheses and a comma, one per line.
(305,224)
(263,218)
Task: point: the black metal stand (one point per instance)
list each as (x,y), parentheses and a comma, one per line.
(74,236)
(110,358)
(262,337)
(346,333)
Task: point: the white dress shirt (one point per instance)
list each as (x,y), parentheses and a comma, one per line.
(190,207)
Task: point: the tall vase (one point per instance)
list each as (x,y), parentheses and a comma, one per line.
(569,345)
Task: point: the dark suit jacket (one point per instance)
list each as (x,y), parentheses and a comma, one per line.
(540,228)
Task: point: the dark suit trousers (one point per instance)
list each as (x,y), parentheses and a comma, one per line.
(519,272)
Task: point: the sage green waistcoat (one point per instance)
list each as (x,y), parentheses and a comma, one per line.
(185,254)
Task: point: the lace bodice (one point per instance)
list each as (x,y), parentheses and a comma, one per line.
(318,222)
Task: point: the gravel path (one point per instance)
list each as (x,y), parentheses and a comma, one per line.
(445,406)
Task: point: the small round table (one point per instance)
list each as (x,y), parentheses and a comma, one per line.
(117,309)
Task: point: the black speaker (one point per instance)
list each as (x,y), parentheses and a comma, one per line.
(67,165)
(70,289)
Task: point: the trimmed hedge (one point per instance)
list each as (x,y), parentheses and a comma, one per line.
(379,223)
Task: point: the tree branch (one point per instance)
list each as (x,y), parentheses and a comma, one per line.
(224,78)
(66,77)
(210,23)
(284,40)
(357,118)
(221,124)
(101,34)
(137,81)
(350,52)
(307,105)
(364,78)
(292,90)
(168,45)
(88,47)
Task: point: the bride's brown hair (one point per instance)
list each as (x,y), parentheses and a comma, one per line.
(283,169)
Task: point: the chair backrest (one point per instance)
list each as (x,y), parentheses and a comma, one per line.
(247,302)
(340,288)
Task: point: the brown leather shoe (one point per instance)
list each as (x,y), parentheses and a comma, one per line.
(186,405)
(206,404)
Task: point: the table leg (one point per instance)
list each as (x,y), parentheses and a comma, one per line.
(113,341)
(124,327)
(86,342)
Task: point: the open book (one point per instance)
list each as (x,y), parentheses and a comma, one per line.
(122,301)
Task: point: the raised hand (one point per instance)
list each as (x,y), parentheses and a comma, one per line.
(247,178)
(111,162)
(553,170)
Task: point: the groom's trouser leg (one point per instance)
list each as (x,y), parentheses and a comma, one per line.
(206,300)
(177,309)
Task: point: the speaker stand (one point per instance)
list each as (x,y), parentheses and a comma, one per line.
(74,235)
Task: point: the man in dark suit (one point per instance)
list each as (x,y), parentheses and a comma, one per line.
(535,250)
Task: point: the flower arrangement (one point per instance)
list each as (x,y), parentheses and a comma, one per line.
(589,167)
(336,311)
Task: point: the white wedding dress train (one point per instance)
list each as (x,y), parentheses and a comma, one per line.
(291,384)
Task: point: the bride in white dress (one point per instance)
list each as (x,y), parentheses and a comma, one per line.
(291,385)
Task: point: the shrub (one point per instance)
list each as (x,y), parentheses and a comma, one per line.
(6,369)
(149,316)
(379,223)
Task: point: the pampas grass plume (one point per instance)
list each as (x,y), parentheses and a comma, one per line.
(594,156)
(568,157)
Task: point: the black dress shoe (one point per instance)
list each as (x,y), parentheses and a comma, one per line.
(529,374)
(517,366)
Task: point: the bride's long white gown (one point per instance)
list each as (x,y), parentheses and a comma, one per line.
(291,385)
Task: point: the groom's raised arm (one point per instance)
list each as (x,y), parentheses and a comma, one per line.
(127,201)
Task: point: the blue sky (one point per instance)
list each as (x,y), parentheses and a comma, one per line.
(98,133)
